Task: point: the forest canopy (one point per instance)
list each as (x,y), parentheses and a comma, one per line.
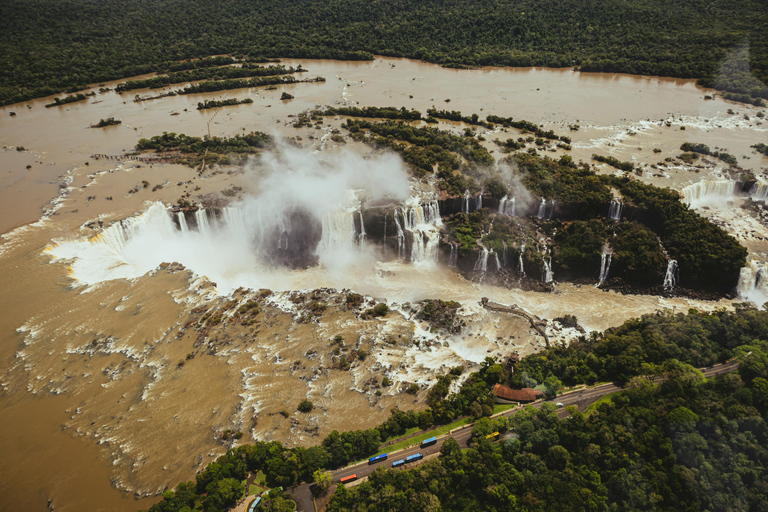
(49,46)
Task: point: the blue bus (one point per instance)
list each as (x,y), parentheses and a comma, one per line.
(417,456)
(398,463)
(254,504)
(428,442)
(377,458)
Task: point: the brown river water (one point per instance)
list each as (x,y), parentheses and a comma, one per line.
(109,394)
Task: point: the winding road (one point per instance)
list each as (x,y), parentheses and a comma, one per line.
(581,398)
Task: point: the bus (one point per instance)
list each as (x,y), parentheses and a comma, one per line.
(417,456)
(428,442)
(377,458)
(348,478)
(398,463)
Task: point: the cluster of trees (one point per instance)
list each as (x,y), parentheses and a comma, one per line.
(642,347)
(51,46)
(614,162)
(205,73)
(704,150)
(72,98)
(761,148)
(110,121)
(373,112)
(426,146)
(192,150)
(455,115)
(226,85)
(202,105)
(685,444)
(527,126)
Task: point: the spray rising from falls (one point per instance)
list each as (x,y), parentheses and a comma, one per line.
(305,215)
(670,278)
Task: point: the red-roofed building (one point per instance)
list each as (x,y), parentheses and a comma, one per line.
(505,394)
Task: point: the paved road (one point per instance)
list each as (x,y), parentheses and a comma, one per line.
(580,398)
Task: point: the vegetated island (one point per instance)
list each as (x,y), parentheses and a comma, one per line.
(203,105)
(723,44)
(662,440)
(110,121)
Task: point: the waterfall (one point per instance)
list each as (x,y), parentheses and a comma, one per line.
(551,210)
(753,283)
(670,279)
(759,191)
(706,192)
(182,222)
(496,259)
(385,228)
(542,209)
(479,201)
(605,264)
(614,210)
(507,206)
(465,202)
(338,232)
(400,236)
(453,260)
(423,222)
(547,275)
(361,238)
(482,261)
(504,256)
(201,216)
(521,267)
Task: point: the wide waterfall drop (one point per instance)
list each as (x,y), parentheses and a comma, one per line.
(465,202)
(547,275)
(670,278)
(481,265)
(507,206)
(753,283)
(453,260)
(614,210)
(710,193)
(520,266)
(423,222)
(605,264)
(338,232)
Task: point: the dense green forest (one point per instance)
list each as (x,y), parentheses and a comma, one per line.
(49,46)
(652,446)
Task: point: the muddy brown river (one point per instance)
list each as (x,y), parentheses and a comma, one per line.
(109,391)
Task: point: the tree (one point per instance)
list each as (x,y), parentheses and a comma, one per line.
(322,481)
(552,386)
(305,406)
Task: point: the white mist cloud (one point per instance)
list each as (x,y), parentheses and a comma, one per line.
(304,206)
